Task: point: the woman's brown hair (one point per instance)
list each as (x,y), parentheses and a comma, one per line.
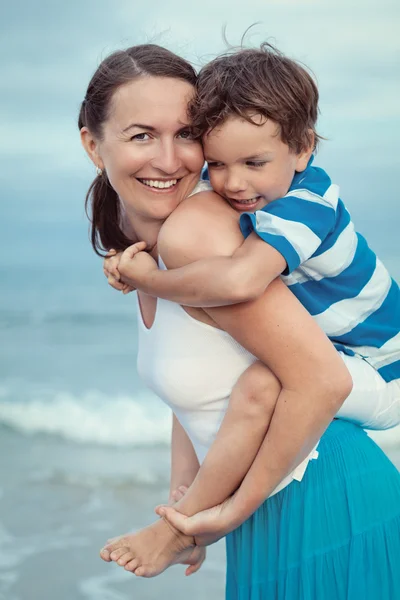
(260,81)
(102,203)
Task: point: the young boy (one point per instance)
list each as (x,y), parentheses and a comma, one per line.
(256,111)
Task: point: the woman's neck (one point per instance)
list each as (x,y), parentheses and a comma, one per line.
(139,229)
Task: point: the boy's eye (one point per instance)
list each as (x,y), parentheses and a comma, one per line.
(214,165)
(141,137)
(256,163)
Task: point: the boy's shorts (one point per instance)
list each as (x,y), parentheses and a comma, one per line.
(373,403)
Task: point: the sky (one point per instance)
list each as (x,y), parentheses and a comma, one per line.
(49,50)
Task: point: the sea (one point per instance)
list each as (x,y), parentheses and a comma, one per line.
(84,446)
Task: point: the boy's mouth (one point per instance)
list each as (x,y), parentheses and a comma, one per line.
(244,204)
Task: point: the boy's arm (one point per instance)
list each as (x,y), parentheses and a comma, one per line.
(221,280)
(214,281)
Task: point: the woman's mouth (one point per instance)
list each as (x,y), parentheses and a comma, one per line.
(159,185)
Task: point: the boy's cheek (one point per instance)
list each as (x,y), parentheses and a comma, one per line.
(216,183)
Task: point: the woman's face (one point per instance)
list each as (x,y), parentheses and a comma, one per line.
(147,151)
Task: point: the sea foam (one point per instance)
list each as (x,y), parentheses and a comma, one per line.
(91,417)
(96,418)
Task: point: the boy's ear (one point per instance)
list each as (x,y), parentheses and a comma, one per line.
(304,156)
(91,147)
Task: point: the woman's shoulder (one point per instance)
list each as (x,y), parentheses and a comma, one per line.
(203,185)
(203,225)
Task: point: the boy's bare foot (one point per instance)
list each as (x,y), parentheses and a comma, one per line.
(151,550)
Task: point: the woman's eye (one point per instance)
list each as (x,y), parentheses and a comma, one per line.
(258,163)
(186,134)
(140,137)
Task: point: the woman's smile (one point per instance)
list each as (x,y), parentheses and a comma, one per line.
(159,185)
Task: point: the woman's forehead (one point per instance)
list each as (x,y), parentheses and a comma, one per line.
(155,101)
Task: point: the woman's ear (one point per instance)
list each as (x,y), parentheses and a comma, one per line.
(304,156)
(91,146)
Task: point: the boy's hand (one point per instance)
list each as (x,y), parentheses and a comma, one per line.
(135,265)
(110,270)
(207,526)
(110,264)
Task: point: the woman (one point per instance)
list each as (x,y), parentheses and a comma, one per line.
(134,128)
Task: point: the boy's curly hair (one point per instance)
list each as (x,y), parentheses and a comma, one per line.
(251,82)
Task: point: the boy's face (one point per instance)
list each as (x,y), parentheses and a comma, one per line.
(249,165)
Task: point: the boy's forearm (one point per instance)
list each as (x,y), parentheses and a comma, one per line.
(218,281)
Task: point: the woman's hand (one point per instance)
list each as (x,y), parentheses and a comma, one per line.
(195,560)
(176,495)
(207,526)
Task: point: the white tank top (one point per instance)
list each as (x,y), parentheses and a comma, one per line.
(193,367)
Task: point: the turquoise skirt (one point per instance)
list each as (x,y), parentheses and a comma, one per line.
(333,536)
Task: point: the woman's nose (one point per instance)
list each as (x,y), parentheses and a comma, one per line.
(168,159)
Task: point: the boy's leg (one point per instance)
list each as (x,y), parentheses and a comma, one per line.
(242,431)
(373,403)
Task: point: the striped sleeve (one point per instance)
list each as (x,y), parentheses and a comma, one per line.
(295,225)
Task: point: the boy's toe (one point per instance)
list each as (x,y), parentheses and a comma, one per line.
(144,571)
(125,558)
(132,565)
(105,555)
(119,543)
(112,540)
(116,554)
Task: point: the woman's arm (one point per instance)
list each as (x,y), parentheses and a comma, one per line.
(184,462)
(280,332)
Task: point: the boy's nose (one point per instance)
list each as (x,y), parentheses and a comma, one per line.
(235,184)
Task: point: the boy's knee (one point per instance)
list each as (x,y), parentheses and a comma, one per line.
(258,387)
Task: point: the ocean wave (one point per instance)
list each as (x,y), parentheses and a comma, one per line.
(92,417)
(96,418)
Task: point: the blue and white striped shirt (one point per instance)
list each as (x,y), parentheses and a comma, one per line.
(332,271)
